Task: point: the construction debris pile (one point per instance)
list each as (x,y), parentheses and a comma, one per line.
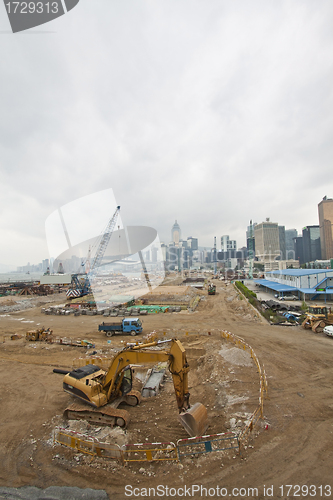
(46,335)
(173,296)
(161,300)
(12,305)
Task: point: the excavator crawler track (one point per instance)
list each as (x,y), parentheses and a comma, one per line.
(105,415)
(306,324)
(318,326)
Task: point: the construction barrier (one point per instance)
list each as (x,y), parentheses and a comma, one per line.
(149,452)
(256,415)
(207,444)
(79,442)
(87,444)
(259,412)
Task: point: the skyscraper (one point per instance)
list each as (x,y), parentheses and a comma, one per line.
(267,241)
(311,243)
(227,244)
(250,236)
(282,241)
(299,251)
(291,234)
(176,234)
(193,243)
(325,211)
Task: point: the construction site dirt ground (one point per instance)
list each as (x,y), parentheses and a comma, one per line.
(293,445)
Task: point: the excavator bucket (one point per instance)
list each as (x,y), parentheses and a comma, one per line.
(194,420)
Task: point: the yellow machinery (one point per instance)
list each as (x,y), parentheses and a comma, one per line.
(317,318)
(105,390)
(40,334)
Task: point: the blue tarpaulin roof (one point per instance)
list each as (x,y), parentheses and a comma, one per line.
(278,287)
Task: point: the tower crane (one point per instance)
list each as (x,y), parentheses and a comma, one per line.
(251,253)
(82,287)
(214,256)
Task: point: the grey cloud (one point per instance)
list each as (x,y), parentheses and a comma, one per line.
(210,113)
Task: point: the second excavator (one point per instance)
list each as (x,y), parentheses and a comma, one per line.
(103,391)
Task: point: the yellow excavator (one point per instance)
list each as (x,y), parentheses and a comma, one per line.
(317,318)
(105,390)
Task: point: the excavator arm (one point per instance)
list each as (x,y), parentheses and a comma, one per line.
(177,364)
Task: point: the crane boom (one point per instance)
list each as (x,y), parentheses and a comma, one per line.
(105,240)
(251,253)
(82,287)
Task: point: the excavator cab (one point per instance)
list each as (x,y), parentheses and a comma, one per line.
(319,311)
(126,382)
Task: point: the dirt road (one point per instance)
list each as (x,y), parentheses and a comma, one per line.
(292,446)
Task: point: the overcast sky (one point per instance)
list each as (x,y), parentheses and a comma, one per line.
(211,112)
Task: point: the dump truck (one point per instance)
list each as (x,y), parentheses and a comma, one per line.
(317,317)
(39,334)
(131,326)
(103,391)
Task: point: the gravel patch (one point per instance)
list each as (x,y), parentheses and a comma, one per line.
(236,356)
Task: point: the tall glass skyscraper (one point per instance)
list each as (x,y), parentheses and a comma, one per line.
(325,211)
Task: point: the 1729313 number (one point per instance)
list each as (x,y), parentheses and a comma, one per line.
(296,490)
(32,7)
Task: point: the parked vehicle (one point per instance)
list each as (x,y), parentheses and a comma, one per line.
(133,326)
(287,297)
(291,316)
(328,330)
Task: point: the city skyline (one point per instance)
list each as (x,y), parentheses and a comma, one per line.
(223,244)
(167,241)
(13,267)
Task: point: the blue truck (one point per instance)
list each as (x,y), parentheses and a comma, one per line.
(132,326)
(293,316)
